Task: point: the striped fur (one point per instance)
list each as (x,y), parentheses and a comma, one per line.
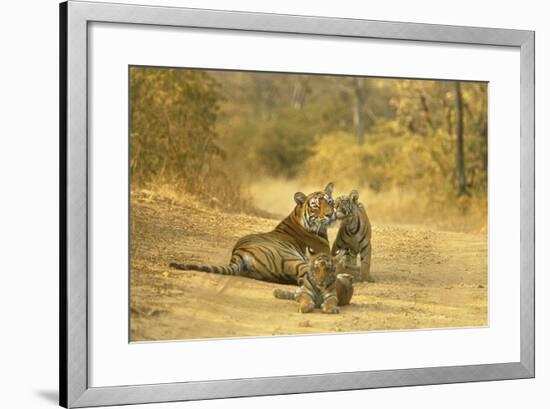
(280,256)
(321,287)
(354,236)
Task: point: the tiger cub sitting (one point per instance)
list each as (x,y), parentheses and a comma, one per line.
(354,236)
(320,287)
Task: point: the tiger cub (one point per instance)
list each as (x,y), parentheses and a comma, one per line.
(321,287)
(354,236)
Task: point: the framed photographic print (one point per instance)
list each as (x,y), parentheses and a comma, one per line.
(258,204)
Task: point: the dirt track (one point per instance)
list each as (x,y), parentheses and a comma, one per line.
(424,279)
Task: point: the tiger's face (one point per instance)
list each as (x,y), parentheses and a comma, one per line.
(321,270)
(317,209)
(344,205)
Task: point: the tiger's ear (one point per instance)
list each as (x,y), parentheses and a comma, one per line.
(300,198)
(354,196)
(329,189)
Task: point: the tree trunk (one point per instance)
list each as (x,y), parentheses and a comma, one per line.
(359,109)
(460,140)
(483,127)
(426,109)
(299,92)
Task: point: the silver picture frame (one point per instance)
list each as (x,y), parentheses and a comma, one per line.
(75,16)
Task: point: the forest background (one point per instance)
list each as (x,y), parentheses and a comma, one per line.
(246,141)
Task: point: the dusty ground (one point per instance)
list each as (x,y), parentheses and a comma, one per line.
(424,279)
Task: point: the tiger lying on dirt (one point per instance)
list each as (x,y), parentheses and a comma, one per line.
(354,236)
(280,256)
(320,287)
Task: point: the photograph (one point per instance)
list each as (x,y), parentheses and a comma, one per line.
(273,204)
(220,195)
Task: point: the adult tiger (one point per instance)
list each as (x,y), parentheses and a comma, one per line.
(354,236)
(321,287)
(280,256)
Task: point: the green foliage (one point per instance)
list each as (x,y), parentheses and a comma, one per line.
(284,144)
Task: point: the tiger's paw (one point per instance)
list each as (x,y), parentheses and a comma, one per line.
(331,310)
(306,307)
(368,279)
(363,278)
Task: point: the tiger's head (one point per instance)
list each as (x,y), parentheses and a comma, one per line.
(316,209)
(322,272)
(344,205)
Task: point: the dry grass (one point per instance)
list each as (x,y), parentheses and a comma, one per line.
(394,206)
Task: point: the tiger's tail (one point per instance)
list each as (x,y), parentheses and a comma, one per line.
(233,269)
(284,294)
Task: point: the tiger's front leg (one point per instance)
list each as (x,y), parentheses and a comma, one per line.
(330,303)
(348,265)
(349,260)
(364,273)
(305,301)
(298,269)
